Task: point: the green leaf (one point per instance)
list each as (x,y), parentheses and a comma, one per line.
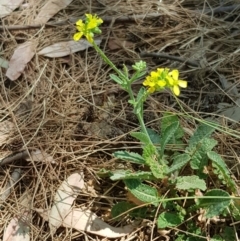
(141,137)
(167,219)
(141,96)
(152,159)
(198,153)
(178,162)
(228,233)
(203,131)
(222,170)
(129,156)
(159,171)
(216,205)
(166,121)
(126,174)
(154,136)
(167,135)
(102,173)
(140,66)
(116,79)
(125,207)
(190,183)
(143,192)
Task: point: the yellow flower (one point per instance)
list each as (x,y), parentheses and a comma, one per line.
(89,28)
(162,78)
(174,83)
(156,81)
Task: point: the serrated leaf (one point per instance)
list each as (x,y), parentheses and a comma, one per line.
(126,174)
(120,208)
(102,173)
(198,153)
(203,131)
(125,207)
(129,156)
(116,79)
(178,162)
(167,119)
(154,136)
(140,96)
(216,205)
(159,171)
(167,135)
(141,137)
(152,159)
(222,169)
(190,183)
(143,192)
(167,219)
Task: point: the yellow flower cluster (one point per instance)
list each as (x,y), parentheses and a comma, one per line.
(89,28)
(162,78)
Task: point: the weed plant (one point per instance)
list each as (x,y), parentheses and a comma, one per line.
(161,183)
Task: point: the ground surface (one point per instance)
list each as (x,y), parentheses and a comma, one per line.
(69,108)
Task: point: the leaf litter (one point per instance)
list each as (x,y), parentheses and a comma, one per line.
(63,125)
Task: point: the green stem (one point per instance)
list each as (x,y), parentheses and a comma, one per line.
(127,86)
(108,61)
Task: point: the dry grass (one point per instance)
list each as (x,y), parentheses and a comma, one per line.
(57,104)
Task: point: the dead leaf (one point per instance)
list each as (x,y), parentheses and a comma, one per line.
(66,48)
(228,86)
(18,229)
(40,156)
(232,112)
(63,200)
(8,6)
(50,9)
(6,129)
(85,220)
(21,56)
(8,157)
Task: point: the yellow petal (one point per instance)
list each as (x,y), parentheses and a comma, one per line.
(182,83)
(161,83)
(77,36)
(160,70)
(176,90)
(154,74)
(92,24)
(79,22)
(89,16)
(151,90)
(170,80)
(174,74)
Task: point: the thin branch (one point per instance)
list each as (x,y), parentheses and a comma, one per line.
(171,57)
(106,19)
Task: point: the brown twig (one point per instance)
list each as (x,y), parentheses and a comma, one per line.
(13,180)
(171,57)
(222,9)
(106,19)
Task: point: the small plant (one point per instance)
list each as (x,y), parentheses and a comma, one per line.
(160,183)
